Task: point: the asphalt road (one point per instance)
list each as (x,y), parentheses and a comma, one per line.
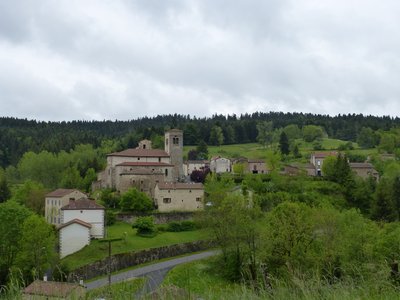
(155,272)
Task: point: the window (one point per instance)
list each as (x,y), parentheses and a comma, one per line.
(166,141)
(159,159)
(175,141)
(138,158)
(144,146)
(167,200)
(198,199)
(166,172)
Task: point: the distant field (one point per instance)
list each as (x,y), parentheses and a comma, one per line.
(255,150)
(96,250)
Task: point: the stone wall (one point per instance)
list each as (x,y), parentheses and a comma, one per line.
(159,218)
(126,260)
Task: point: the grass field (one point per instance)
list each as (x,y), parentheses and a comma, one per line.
(130,242)
(121,290)
(257,151)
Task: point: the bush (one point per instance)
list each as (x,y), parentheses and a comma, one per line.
(145,226)
(133,200)
(181,226)
(110,217)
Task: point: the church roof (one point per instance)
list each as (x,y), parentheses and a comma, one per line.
(141,153)
(145,164)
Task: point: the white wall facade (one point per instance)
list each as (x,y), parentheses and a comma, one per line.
(95,217)
(73,238)
(220,165)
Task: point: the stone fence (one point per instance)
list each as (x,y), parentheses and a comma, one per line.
(129,259)
(159,218)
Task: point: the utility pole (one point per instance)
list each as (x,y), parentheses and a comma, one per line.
(109,241)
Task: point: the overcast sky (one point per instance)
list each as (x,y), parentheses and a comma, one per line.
(115,59)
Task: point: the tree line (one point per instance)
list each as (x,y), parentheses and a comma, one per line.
(18,136)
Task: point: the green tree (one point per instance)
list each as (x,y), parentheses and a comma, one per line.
(383,207)
(388,142)
(5,192)
(31,194)
(292,131)
(133,200)
(202,150)
(36,247)
(367,138)
(145,226)
(71,178)
(264,133)
(216,136)
(284,143)
(12,216)
(233,221)
(312,132)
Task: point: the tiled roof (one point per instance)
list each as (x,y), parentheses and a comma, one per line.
(75,221)
(324,154)
(60,192)
(51,288)
(145,164)
(361,165)
(256,161)
(141,153)
(198,162)
(179,186)
(142,171)
(82,203)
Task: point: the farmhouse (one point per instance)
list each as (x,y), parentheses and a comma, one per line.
(57,199)
(193,165)
(220,165)
(82,220)
(364,170)
(179,196)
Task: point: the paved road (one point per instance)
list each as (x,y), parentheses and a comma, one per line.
(155,272)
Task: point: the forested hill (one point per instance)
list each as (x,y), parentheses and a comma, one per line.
(20,135)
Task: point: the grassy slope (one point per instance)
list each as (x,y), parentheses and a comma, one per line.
(255,150)
(197,279)
(121,290)
(132,242)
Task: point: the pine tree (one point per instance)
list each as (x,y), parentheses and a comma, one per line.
(284,143)
(5,192)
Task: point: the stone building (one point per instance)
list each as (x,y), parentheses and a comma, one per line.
(179,196)
(57,199)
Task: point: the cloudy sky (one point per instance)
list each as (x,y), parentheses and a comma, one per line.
(115,59)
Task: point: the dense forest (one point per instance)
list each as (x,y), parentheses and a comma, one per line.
(18,136)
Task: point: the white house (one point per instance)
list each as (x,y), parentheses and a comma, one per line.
(74,235)
(192,165)
(88,211)
(220,165)
(57,199)
(179,196)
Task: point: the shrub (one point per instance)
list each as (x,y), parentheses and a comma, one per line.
(133,200)
(181,226)
(110,217)
(145,226)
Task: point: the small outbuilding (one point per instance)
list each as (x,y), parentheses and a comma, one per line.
(53,290)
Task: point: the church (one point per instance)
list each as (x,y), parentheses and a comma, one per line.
(151,171)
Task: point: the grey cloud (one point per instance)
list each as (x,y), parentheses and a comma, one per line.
(125,59)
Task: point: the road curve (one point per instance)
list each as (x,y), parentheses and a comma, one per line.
(155,272)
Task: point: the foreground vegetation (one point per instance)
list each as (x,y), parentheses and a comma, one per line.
(202,279)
